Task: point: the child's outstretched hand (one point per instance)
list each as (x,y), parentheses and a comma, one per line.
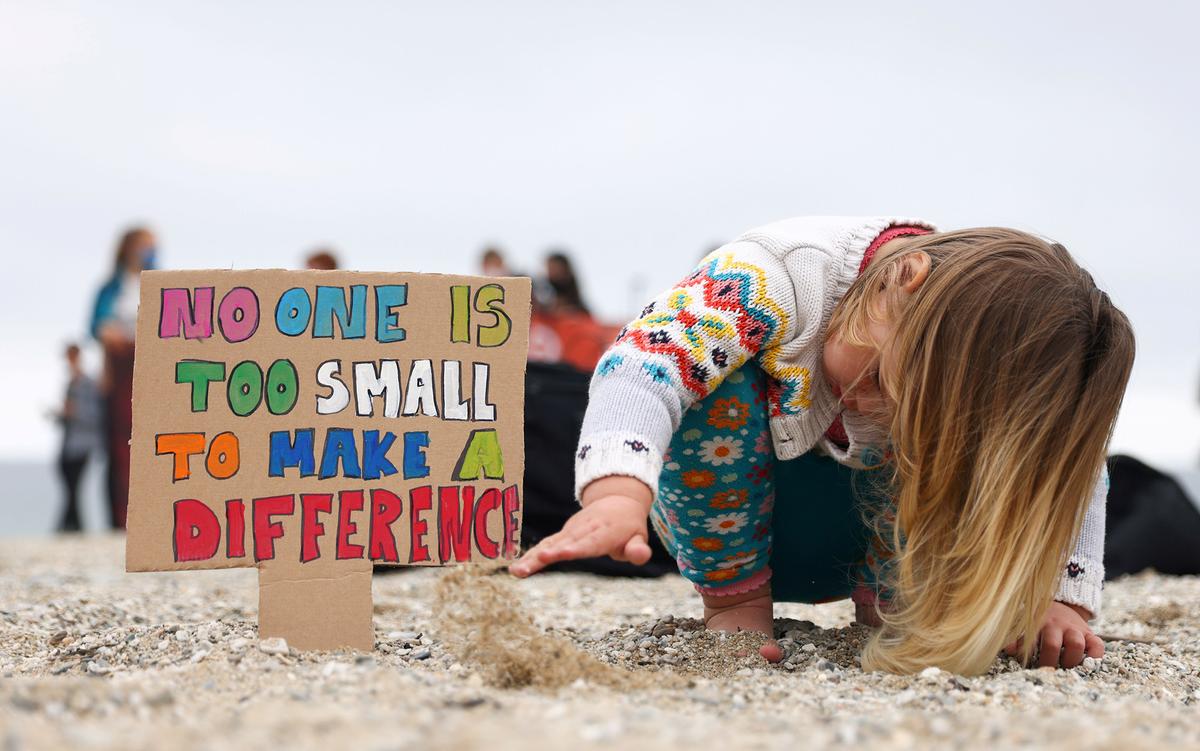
(1065,638)
(612,525)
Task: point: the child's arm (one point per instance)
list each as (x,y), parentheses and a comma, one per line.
(1081,582)
(738,301)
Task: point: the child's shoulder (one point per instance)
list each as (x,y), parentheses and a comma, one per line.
(831,234)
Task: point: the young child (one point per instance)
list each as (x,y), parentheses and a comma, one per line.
(976,376)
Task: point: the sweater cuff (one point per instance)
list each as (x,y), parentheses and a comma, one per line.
(606,454)
(1081,585)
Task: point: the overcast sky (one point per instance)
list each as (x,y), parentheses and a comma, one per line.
(634,134)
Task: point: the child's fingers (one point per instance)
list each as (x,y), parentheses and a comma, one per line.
(1094,645)
(549,543)
(1013,648)
(637,551)
(1073,646)
(1052,639)
(527,564)
(534,559)
(588,542)
(523,568)
(561,541)
(590,545)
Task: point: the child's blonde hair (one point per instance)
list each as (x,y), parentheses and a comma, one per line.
(1005,374)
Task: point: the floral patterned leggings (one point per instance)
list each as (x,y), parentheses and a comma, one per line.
(734,516)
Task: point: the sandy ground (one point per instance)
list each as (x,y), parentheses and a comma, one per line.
(91,657)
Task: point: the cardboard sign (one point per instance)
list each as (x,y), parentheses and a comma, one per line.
(316,423)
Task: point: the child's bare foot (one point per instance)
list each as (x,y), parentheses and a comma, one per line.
(750,611)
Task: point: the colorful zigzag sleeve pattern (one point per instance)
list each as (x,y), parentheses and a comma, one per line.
(738,302)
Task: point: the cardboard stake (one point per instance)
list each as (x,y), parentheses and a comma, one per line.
(317,613)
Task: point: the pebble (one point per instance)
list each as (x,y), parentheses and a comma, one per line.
(161,697)
(330,669)
(276,645)
(847,734)
(421,654)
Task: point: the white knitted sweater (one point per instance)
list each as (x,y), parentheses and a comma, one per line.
(769,295)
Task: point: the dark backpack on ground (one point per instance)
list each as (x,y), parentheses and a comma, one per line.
(1151,522)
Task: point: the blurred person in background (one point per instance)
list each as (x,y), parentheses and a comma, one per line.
(562,328)
(114,323)
(491,263)
(82,422)
(322,259)
(560,275)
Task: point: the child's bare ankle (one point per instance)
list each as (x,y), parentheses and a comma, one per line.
(723,602)
(746,611)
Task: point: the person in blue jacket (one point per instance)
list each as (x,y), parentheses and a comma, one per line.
(114,323)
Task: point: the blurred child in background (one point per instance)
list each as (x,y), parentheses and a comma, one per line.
(81,419)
